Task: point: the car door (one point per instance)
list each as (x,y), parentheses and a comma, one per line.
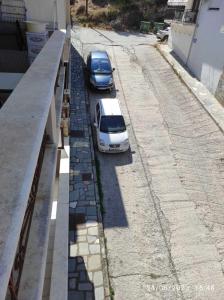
(88,63)
(88,66)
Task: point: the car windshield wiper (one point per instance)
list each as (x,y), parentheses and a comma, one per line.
(116,131)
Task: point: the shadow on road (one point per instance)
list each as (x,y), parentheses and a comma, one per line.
(115,215)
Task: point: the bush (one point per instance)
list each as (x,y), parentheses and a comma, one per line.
(98,16)
(112,14)
(117,25)
(83,19)
(131,19)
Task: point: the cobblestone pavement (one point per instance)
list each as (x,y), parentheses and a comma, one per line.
(86,280)
(164,199)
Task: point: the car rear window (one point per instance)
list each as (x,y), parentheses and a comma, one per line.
(112,124)
(101,66)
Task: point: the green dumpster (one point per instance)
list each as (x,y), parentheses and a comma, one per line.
(145,26)
(158,26)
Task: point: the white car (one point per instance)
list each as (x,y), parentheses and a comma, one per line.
(111,131)
(163,34)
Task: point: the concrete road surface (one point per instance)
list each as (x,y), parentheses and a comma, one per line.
(164,199)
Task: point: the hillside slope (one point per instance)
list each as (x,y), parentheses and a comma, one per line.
(118,14)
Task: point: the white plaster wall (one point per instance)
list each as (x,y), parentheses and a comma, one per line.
(61,13)
(206,58)
(68,17)
(40,10)
(48,11)
(180,39)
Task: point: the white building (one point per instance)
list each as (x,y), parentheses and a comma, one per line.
(197,38)
(51,12)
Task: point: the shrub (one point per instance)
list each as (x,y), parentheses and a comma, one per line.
(117,24)
(98,16)
(83,19)
(131,19)
(112,14)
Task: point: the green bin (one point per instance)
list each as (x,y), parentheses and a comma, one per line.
(145,26)
(158,26)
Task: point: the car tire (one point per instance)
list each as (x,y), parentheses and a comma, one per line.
(90,86)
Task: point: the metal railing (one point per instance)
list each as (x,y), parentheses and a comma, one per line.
(187,16)
(17,269)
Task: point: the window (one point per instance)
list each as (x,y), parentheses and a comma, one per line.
(101,66)
(112,124)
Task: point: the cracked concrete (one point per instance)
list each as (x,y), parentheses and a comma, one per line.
(163,199)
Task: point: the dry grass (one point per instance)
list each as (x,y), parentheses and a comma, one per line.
(98,15)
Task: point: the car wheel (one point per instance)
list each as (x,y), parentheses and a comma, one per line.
(90,86)
(165,38)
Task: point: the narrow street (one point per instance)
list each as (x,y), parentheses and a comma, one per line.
(163,199)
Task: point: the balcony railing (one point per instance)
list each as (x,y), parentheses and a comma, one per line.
(28,122)
(189,16)
(177,2)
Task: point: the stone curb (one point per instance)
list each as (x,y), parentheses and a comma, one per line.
(100,219)
(206,99)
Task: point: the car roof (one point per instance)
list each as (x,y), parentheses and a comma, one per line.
(110,106)
(99,54)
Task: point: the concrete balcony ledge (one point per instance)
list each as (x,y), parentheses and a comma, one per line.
(23,120)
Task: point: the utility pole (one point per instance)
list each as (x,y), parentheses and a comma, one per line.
(87,2)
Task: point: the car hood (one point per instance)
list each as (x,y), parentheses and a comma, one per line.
(101,78)
(113,138)
(164,31)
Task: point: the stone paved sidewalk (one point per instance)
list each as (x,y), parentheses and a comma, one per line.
(86,257)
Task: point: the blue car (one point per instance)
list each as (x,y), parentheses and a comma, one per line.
(100,72)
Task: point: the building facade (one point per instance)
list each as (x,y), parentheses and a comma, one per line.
(197,38)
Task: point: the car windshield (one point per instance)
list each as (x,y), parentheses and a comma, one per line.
(101,66)
(112,124)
